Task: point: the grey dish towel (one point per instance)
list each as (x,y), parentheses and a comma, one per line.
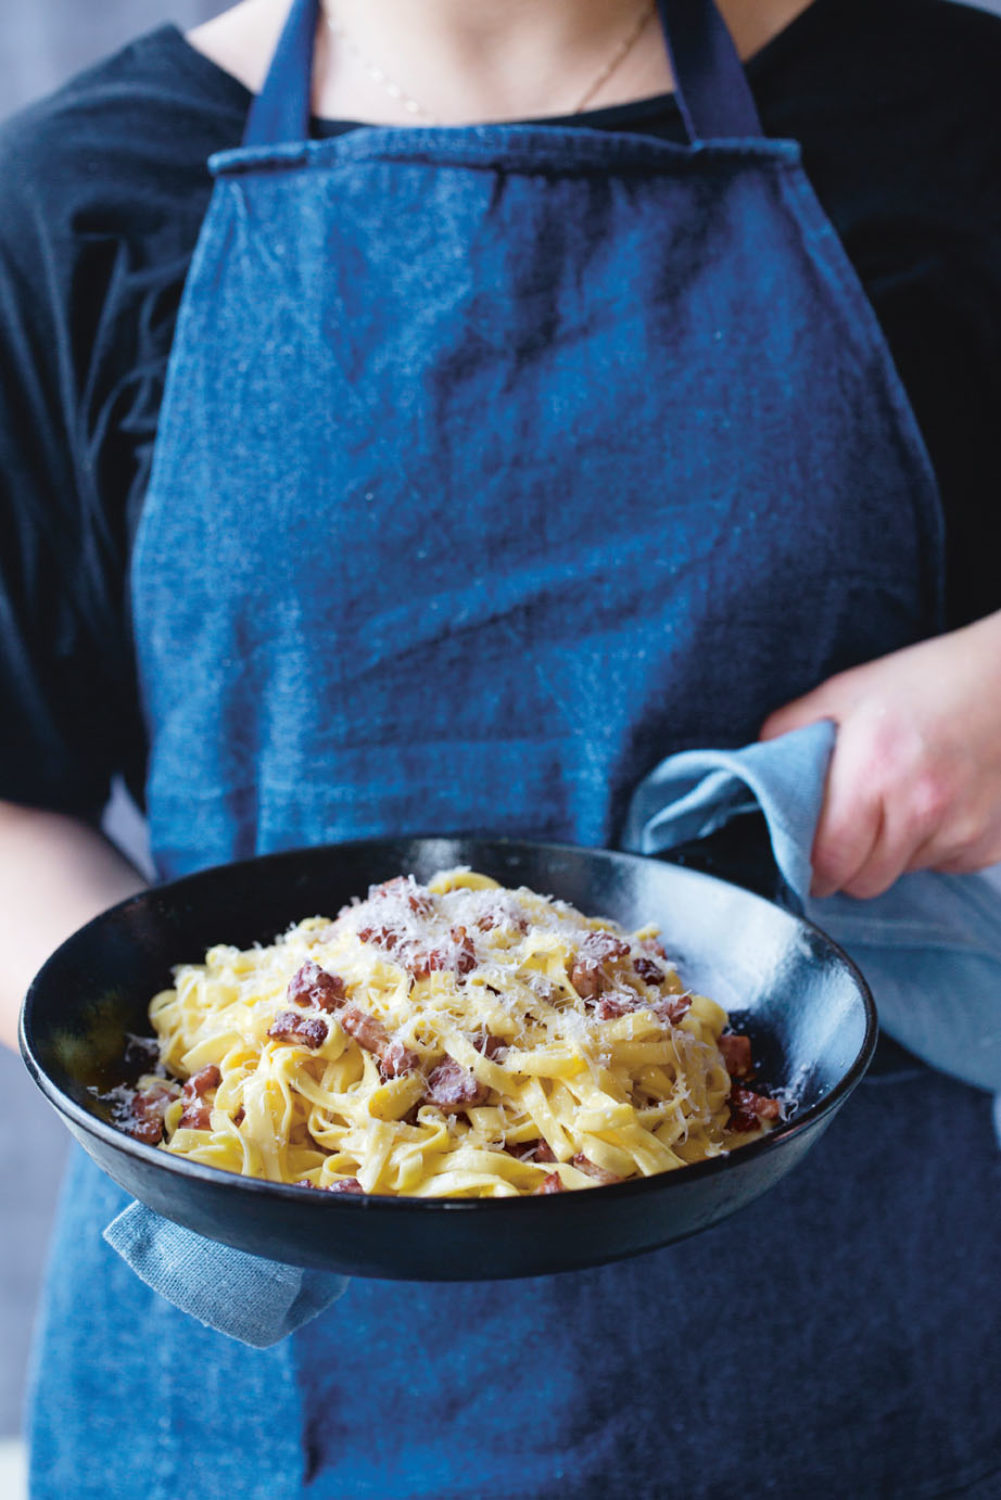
(251,1299)
(930,948)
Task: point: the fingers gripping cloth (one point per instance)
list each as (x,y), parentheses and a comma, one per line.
(930,946)
(930,949)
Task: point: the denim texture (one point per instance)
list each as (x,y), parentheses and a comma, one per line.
(932,936)
(495,465)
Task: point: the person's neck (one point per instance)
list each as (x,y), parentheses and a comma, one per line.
(470,61)
(480,60)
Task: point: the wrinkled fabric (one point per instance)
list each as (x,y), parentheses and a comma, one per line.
(255,1301)
(930,947)
(419,554)
(130,1397)
(944,929)
(819,1344)
(485,594)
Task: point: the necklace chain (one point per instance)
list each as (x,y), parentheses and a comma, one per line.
(419,111)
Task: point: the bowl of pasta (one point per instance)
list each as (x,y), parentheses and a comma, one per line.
(447,1058)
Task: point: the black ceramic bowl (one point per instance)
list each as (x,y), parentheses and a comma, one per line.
(802,1001)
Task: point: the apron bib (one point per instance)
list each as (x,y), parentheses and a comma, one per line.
(495,464)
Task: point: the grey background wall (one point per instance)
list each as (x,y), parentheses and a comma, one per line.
(44,41)
(41,43)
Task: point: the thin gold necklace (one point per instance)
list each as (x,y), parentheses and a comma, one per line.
(421,112)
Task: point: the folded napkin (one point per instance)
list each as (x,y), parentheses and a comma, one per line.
(251,1299)
(930,949)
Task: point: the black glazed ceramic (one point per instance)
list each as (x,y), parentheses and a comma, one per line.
(804,1004)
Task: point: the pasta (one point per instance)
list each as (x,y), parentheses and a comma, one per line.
(457,1039)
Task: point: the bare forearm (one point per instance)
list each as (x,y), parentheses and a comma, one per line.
(55,874)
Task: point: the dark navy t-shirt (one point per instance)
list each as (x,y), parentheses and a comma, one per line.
(103,188)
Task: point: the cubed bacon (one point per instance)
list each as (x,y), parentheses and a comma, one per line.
(147,1109)
(651,945)
(305,1031)
(343,1185)
(453,1087)
(610,1007)
(736,1052)
(591,1169)
(600,947)
(312,985)
(381,936)
(490,1046)
(417,960)
(673,1008)
(153,1100)
(395,1059)
(537,1150)
(465,950)
(417,897)
(239,1117)
(199,1083)
(587,969)
(500,916)
(551,1184)
(196,1117)
(148,1129)
(587,979)
(367,1030)
(648,971)
(748,1109)
(459,957)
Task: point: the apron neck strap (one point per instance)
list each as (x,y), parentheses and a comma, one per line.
(709,81)
(712,91)
(281,112)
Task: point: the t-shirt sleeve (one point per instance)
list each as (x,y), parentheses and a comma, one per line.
(60,707)
(103,189)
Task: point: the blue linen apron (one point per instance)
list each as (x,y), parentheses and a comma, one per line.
(495,463)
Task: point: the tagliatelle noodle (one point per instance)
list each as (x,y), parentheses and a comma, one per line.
(574,1048)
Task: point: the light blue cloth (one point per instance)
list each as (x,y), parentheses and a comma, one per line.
(251,1299)
(930,947)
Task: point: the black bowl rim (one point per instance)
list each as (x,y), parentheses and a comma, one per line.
(152,1156)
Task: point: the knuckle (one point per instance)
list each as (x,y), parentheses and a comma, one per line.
(930,799)
(894,751)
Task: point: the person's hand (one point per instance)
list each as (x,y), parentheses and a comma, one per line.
(915,778)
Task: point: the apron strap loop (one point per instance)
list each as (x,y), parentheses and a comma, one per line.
(712,90)
(709,81)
